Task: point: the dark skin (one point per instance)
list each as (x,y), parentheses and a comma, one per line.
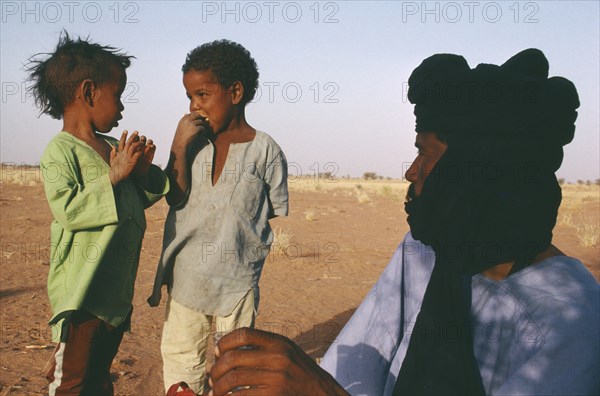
(274,365)
(217,112)
(95,110)
(430,151)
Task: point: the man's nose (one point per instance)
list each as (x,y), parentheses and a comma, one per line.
(411,172)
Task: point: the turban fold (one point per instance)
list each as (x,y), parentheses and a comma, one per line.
(515,98)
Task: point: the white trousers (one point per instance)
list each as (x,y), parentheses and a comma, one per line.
(185,339)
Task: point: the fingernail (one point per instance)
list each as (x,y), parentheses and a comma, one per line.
(217,352)
(210,382)
(210,393)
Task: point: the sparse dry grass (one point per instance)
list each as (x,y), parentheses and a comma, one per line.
(396,192)
(310,215)
(580,208)
(21,174)
(362,196)
(379,187)
(362,190)
(570,210)
(587,234)
(281,241)
(385,190)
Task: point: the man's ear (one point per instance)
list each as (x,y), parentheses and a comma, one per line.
(237,92)
(88,92)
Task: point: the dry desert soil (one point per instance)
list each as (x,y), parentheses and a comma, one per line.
(328,254)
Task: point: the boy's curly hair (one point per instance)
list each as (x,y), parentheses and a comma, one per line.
(56,75)
(229,61)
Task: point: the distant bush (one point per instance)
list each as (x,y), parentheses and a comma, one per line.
(370,176)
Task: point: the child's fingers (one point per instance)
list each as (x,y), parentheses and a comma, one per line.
(137,155)
(123,140)
(135,147)
(197,119)
(150,147)
(149,154)
(133,138)
(113,154)
(194,115)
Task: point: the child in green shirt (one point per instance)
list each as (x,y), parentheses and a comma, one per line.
(97,189)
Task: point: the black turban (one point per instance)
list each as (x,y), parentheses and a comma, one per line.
(516,98)
(492,198)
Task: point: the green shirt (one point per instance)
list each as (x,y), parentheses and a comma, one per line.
(96,235)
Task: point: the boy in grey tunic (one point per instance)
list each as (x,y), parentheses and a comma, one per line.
(229,179)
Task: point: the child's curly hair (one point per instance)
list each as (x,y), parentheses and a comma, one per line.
(229,61)
(56,75)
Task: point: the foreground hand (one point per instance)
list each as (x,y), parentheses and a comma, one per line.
(124,159)
(269,364)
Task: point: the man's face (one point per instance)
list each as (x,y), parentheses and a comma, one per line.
(430,150)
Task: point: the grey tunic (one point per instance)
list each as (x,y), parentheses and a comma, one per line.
(215,243)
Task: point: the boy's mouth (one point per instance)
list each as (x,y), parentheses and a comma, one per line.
(201,114)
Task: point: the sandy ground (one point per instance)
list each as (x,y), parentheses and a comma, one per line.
(340,240)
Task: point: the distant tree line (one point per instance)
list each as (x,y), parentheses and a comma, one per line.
(580,182)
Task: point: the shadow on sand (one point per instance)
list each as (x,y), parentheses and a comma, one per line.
(317,340)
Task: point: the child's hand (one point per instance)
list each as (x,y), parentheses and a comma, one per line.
(190,126)
(143,166)
(124,159)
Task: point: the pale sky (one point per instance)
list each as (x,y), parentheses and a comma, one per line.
(332,74)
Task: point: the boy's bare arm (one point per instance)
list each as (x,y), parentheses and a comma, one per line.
(177,173)
(177,170)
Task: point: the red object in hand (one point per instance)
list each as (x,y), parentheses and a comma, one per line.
(185,390)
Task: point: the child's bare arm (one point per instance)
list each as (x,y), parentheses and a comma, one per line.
(189,127)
